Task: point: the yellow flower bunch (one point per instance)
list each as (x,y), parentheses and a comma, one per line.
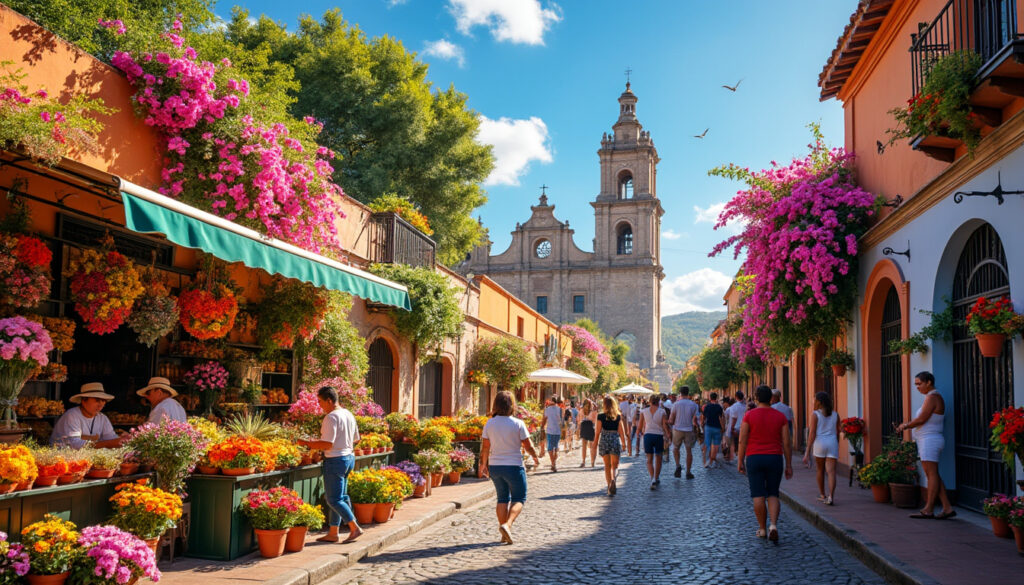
(208,428)
(398,485)
(144,511)
(51,544)
(285,452)
(17,465)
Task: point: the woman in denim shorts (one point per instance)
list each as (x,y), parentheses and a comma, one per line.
(501,458)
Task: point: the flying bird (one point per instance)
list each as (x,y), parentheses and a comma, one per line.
(733,87)
(702,134)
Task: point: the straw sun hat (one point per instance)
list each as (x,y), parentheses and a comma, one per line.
(159,383)
(90,390)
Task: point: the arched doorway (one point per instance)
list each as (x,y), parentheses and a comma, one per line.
(431,385)
(381,374)
(981,386)
(891,365)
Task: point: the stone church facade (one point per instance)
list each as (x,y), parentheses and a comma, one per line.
(618,285)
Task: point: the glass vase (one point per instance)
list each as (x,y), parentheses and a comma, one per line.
(13,375)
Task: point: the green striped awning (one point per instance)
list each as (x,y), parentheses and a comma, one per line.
(149,212)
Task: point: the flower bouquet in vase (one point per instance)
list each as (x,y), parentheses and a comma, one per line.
(991,322)
(272,512)
(208,380)
(52,545)
(23,348)
(112,556)
(853,428)
(147,512)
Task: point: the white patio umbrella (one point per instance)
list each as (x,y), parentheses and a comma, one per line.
(558,376)
(632,388)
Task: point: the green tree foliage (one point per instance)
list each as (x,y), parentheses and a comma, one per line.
(435,316)
(688,379)
(392,129)
(683,335)
(717,368)
(505,360)
(337,350)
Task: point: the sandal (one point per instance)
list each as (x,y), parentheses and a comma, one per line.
(922,516)
(944,515)
(761,533)
(828,501)
(821,497)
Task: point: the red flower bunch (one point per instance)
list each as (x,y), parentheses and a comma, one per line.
(1008,433)
(207,314)
(852,426)
(24,270)
(104,286)
(992,317)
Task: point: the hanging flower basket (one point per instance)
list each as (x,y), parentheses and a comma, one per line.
(24,270)
(991,322)
(104,287)
(990,344)
(155,313)
(208,314)
(838,370)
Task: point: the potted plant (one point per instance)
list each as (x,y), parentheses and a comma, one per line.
(400,426)
(1007,436)
(209,306)
(876,475)
(397,487)
(146,512)
(52,545)
(433,437)
(365,489)
(286,453)
(24,346)
(17,468)
(172,447)
(461,460)
(991,322)
(14,561)
(435,463)
(105,462)
(415,476)
(1016,520)
(308,517)
(998,509)
(902,456)
(237,455)
(853,428)
(839,359)
(112,556)
(271,512)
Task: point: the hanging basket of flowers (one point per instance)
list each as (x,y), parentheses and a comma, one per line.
(990,323)
(156,312)
(290,311)
(104,286)
(24,270)
(209,308)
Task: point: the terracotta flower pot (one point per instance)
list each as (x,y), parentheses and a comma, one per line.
(838,370)
(100,473)
(208,470)
(382,512)
(358,452)
(237,471)
(23,486)
(420,491)
(1018,535)
(363,512)
(990,344)
(271,542)
(57,579)
(296,540)
(145,467)
(154,545)
(904,495)
(454,477)
(880,493)
(46,480)
(307,458)
(6,488)
(436,479)
(129,468)
(67,478)
(1000,527)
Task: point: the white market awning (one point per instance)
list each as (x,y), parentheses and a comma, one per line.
(558,375)
(633,388)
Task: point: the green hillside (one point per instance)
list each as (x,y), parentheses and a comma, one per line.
(683,335)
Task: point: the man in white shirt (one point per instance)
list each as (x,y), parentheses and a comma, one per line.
(734,418)
(682,419)
(161,395)
(626,408)
(338,437)
(552,423)
(85,424)
(782,407)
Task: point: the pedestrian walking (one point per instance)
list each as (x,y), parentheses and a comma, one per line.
(734,416)
(569,425)
(627,410)
(765,455)
(727,403)
(613,429)
(552,423)
(338,437)
(503,440)
(782,407)
(823,436)
(713,419)
(588,432)
(682,419)
(927,431)
(654,428)
(667,401)
(699,430)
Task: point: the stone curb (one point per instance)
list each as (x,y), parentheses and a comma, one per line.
(327,566)
(875,557)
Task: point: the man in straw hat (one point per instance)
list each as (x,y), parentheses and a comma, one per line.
(161,395)
(85,423)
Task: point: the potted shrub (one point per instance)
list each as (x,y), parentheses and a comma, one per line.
(990,323)
(271,512)
(397,487)
(902,456)
(839,359)
(998,509)
(146,512)
(365,489)
(52,545)
(112,556)
(308,517)
(400,426)
(237,455)
(433,437)
(461,460)
(14,561)
(208,380)
(172,447)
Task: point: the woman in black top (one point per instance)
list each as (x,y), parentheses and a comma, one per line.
(587,432)
(613,435)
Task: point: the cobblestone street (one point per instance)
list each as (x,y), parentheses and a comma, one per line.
(701,530)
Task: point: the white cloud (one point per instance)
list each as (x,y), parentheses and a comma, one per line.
(700,290)
(708,214)
(516,143)
(671,234)
(443,49)
(516,21)
(393,3)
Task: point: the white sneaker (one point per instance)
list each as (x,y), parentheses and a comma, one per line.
(506,533)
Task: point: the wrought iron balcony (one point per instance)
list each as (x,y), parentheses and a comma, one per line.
(395,241)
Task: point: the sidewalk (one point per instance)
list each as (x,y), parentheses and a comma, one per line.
(318,561)
(960,550)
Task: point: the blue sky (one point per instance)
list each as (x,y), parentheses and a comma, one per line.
(545,76)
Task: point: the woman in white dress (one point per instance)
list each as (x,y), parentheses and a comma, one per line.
(824,438)
(927,431)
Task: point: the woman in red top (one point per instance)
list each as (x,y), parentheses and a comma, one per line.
(764,449)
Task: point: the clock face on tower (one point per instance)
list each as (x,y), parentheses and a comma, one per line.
(543,249)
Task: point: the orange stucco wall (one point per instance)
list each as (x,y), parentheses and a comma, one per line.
(499,313)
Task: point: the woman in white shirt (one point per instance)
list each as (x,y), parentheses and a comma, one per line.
(927,430)
(824,438)
(503,441)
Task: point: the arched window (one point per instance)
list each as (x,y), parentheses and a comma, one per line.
(626,186)
(625,239)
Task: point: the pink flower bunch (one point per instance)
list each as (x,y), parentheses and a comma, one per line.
(234,166)
(801,223)
(117,25)
(116,556)
(305,405)
(586,346)
(14,561)
(273,509)
(369,409)
(24,340)
(206,377)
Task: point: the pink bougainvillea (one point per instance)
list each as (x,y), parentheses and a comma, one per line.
(229,163)
(588,353)
(801,223)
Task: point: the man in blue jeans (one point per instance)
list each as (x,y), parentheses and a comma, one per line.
(338,437)
(552,423)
